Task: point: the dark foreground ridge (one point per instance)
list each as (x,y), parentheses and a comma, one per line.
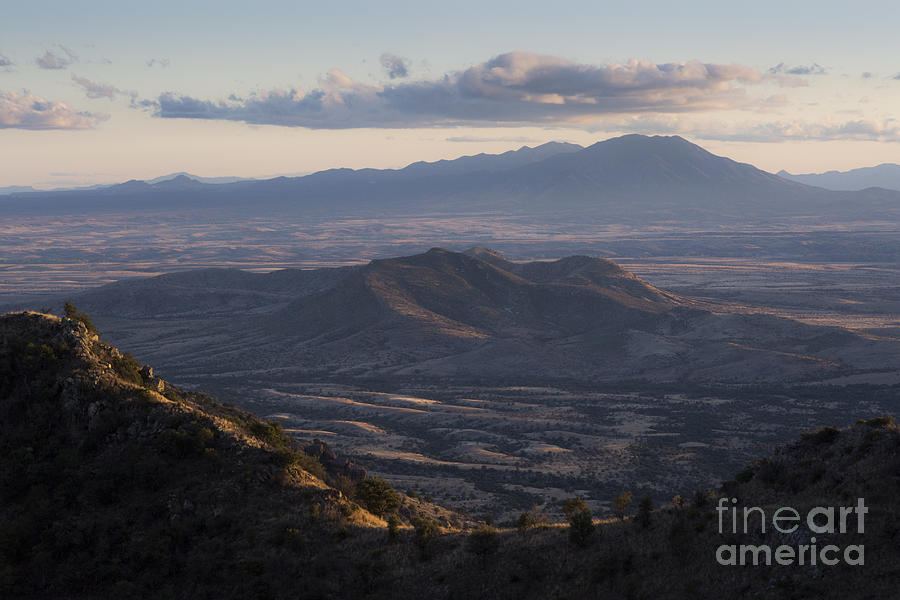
(114,483)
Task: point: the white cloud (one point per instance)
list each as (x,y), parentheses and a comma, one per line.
(887,130)
(510,89)
(25,111)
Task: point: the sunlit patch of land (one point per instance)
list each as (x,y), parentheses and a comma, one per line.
(530,445)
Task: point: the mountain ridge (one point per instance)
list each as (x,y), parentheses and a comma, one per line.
(466,315)
(631,178)
(884,176)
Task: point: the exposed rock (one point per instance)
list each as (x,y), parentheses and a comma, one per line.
(333,464)
(156,384)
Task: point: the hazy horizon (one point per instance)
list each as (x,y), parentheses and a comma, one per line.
(134,92)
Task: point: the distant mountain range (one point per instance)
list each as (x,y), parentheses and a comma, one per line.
(632,178)
(461,316)
(885,176)
(16,189)
(24,189)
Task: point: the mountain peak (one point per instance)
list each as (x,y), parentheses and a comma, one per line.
(637,141)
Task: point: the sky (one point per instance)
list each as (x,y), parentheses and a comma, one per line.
(107,91)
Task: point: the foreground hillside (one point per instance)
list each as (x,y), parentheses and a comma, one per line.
(117,484)
(112,481)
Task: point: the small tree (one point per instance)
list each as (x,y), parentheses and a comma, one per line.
(393,523)
(645,512)
(571,506)
(581,528)
(73,313)
(377,496)
(533,517)
(620,504)
(581,522)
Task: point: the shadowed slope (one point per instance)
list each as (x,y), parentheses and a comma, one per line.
(116,483)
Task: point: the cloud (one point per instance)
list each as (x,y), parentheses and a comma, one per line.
(25,111)
(771,104)
(887,130)
(867,75)
(510,89)
(158,62)
(473,139)
(5,62)
(396,67)
(95,90)
(813,69)
(54,61)
(897,76)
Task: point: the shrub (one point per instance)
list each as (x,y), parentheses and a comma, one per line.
(771,471)
(43,356)
(186,441)
(73,313)
(885,421)
(270,432)
(377,496)
(823,435)
(745,475)
(530,519)
(483,541)
(703,498)
(393,523)
(426,530)
(128,368)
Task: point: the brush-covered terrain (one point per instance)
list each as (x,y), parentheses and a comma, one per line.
(491,385)
(116,483)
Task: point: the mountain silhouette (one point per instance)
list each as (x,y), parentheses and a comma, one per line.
(632,178)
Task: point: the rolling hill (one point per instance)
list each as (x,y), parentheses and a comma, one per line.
(464,316)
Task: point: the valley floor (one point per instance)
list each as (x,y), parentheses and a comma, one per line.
(498,451)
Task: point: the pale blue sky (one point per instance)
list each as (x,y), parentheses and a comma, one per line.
(107,114)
